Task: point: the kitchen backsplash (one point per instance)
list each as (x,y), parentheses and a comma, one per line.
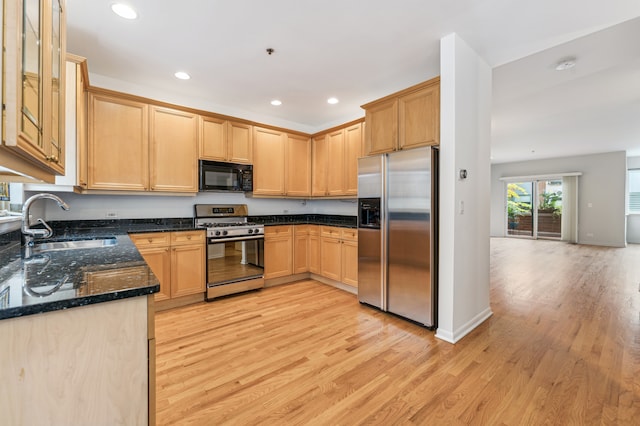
(93,207)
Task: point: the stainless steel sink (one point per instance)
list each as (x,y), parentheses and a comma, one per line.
(74,244)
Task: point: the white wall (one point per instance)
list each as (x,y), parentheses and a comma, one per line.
(83,206)
(601,194)
(465,136)
(633,220)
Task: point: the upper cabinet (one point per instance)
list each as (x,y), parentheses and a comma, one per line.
(173,150)
(134,146)
(268,161)
(281,163)
(335,161)
(118,144)
(404,120)
(34,81)
(224,140)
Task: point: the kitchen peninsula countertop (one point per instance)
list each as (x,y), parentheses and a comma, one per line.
(63,279)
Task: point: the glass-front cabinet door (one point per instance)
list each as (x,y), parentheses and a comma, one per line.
(33,83)
(56,138)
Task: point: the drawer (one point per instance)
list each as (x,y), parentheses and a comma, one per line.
(302,229)
(314,230)
(152,239)
(187,237)
(350,234)
(279,230)
(330,231)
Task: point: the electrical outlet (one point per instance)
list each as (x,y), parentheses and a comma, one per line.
(111,215)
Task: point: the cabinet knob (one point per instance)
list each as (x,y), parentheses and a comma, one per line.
(52,158)
(188,237)
(150,240)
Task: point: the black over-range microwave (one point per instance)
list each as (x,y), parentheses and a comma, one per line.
(219,176)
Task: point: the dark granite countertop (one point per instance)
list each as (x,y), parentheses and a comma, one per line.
(311,219)
(62,279)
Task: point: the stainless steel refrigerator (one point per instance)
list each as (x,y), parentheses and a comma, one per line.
(397,233)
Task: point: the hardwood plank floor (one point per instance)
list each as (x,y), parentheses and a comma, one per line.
(563,347)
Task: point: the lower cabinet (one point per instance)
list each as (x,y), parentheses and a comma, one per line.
(339,254)
(278,251)
(327,251)
(177,259)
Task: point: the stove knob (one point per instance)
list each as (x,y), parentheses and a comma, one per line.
(250,231)
(217,233)
(256,231)
(224,232)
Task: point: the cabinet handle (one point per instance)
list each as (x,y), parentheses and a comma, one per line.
(52,159)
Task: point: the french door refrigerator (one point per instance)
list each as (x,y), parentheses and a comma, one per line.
(397,233)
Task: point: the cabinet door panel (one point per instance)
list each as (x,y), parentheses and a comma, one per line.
(352,151)
(331,258)
(187,270)
(381,133)
(174,145)
(314,254)
(268,162)
(213,139)
(335,158)
(350,263)
(159,260)
(300,250)
(419,118)
(298,169)
(118,152)
(240,143)
(319,167)
(278,257)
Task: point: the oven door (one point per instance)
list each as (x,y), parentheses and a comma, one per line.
(234,265)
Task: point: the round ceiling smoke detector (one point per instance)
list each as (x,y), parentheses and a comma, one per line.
(565,64)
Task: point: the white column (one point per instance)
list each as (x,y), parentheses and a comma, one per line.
(465,144)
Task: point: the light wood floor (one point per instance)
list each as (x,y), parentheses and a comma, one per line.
(563,347)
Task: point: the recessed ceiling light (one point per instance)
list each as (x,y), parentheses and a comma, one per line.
(565,64)
(124,11)
(182,75)
(332,101)
(276,102)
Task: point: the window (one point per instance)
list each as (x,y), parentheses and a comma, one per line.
(634,191)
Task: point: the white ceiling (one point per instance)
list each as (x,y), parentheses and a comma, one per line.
(361,50)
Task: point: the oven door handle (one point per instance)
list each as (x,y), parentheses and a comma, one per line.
(232,239)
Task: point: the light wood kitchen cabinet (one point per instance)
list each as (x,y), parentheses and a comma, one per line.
(353,141)
(281,163)
(177,259)
(339,254)
(118,144)
(268,161)
(335,161)
(314,249)
(406,119)
(278,251)
(319,166)
(298,166)
(34,82)
(349,257)
(331,256)
(173,150)
(225,140)
(134,146)
(301,248)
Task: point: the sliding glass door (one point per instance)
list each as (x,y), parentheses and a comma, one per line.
(534,209)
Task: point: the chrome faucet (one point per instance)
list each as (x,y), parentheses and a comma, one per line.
(31,234)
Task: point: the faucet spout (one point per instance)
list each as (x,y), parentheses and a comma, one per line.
(30,233)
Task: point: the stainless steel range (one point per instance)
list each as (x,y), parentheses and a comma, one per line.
(235,249)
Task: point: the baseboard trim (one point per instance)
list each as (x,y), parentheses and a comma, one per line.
(456,335)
